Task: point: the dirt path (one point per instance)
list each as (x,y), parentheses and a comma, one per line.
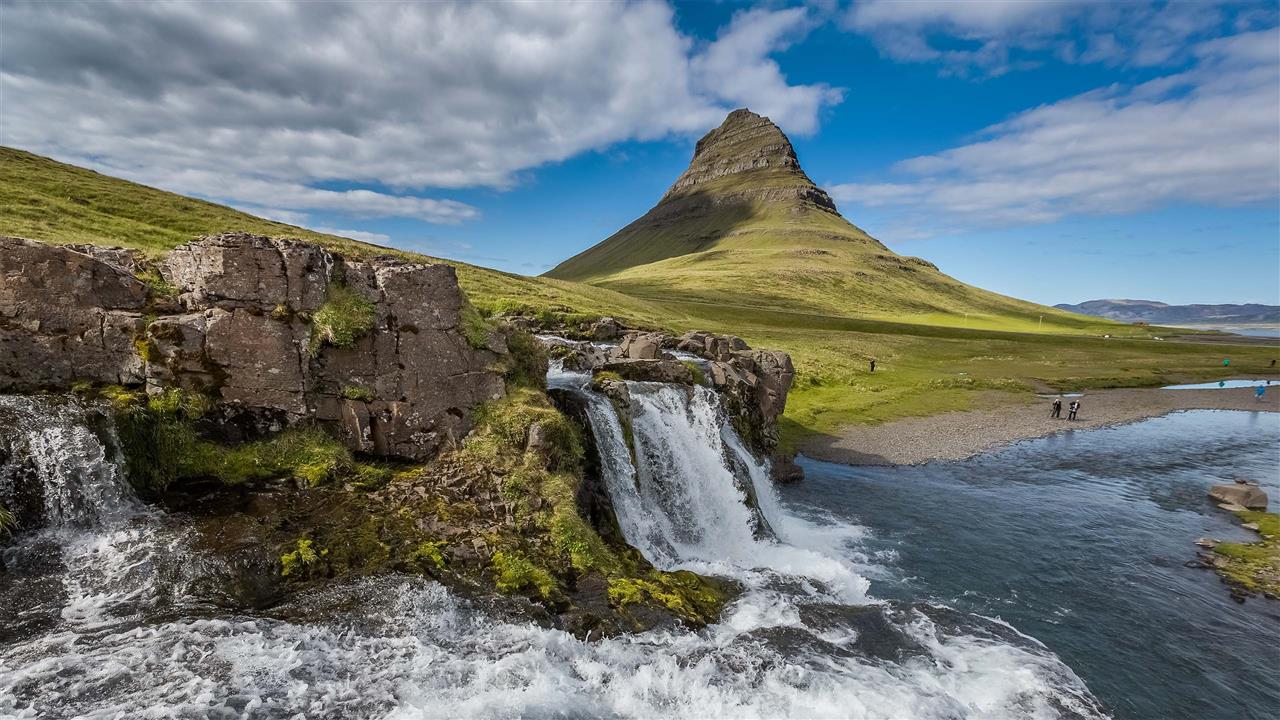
(958,435)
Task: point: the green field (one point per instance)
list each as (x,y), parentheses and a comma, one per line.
(923,368)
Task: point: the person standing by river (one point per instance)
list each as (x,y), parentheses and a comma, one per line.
(1073,409)
(1056,412)
(1260,392)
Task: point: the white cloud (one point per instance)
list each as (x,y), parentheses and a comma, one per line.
(1208,135)
(361,235)
(289,104)
(996,36)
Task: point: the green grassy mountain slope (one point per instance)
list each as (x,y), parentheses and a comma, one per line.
(745,226)
(42,199)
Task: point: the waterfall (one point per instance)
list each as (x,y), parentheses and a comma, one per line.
(62,462)
(53,453)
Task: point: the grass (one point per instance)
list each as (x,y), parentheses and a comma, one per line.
(162,447)
(345,317)
(922,370)
(1254,566)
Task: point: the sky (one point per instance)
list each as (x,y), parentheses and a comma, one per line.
(1055,151)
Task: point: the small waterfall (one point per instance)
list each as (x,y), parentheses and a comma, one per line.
(54,454)
(61,464)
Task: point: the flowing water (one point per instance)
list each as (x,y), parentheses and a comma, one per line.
(98,621)
(1080,540)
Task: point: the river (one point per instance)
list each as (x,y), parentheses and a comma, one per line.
(946,591)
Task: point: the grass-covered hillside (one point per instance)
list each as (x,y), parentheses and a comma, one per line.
(745,226)
(45,200)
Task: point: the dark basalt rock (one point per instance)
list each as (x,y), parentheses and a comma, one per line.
(239,328)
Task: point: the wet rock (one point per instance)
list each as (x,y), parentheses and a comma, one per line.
(641,346)
(663,371)
(1232,507)
(1245,495)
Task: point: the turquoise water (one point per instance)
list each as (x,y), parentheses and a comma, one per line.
(1080,540)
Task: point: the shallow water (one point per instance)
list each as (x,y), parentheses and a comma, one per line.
(1079,540)
(1223,385)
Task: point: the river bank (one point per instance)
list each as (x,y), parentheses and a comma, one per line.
(960,435)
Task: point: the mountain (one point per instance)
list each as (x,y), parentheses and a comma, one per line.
(744,225)
(42,199)
(1158,313)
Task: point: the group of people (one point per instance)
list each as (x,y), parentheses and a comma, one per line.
(1072,409)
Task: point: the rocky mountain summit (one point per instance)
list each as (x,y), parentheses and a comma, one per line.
(755,150)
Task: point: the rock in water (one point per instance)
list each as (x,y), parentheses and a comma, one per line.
(1244,495)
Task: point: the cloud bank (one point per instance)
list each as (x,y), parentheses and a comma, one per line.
(1208,135)
(360,108)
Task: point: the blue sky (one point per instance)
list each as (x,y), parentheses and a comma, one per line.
(1055,151)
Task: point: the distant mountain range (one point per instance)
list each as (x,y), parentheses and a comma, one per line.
(1158,313)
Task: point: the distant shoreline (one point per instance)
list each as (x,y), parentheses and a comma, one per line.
(963,434)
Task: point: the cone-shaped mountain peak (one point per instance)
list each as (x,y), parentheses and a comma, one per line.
(744,227)
(748,156)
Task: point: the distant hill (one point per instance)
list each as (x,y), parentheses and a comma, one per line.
(744,225)
(43,199)
(1158,313)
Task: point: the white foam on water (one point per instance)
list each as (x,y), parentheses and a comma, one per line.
(413,650)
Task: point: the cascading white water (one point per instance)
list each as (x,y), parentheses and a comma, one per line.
(390,647)
(61,450)
(79,482)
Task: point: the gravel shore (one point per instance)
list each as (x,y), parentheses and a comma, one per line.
(958,435)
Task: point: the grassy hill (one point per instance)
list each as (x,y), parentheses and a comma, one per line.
(923,369)
(745,226)
(42,199)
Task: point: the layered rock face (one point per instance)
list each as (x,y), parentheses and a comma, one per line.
(750,144)
(244,326)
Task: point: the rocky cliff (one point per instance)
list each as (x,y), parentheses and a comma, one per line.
(275,331)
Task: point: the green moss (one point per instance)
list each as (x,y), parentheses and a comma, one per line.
(602,376)
(281,312)
(503,429)
(146,349)
(528,361)
(475,328)
(515,573)
(430,554)
(1255,566)
(344,318)
(355,392)
(303,561)
(7,521)
(685,594)
(161,446)
(696,370)
(156,284)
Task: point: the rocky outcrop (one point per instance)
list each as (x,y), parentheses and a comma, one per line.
(662,371)
(276,330)
(1240,493)
(753,383)
(66,316)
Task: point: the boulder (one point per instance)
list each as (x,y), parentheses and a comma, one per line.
(641,346)
(1244,495)
(606,328)
(663,371)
